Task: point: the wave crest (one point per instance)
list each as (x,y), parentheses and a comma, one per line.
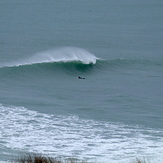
(64,54)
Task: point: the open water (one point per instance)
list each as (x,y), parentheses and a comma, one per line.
(113,115)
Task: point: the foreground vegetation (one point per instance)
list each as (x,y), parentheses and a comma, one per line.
(45,159)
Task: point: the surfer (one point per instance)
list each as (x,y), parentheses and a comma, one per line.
(79,77)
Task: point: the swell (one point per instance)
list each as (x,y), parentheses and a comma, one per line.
(79,66)
(122,63)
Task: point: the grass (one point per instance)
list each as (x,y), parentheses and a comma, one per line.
(35,158)
(43,159)
(140,161)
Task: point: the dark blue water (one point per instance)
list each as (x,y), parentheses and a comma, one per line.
(115,113)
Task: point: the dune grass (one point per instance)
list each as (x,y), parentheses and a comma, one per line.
(140,161)
(36,158)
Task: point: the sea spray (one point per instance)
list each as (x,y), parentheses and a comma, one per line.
(63,54)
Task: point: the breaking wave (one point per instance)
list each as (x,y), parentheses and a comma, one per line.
(75,60)
(57,55)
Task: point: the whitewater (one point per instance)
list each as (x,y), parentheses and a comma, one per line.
(115,115)
(64,131)
(62,54)
(70,136)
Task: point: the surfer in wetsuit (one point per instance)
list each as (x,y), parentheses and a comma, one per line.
(80,77)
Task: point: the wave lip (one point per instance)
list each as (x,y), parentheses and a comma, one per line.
(67,54)
(64,54)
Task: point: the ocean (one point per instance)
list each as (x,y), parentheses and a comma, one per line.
(114,114)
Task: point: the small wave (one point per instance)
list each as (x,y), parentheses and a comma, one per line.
(57,55)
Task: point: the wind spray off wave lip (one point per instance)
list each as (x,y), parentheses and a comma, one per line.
(63,54)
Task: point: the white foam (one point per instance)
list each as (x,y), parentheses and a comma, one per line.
(30,131)
(63,54)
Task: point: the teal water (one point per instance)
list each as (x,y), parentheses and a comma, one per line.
(115,113)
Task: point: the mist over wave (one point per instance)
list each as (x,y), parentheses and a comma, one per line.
(63,54)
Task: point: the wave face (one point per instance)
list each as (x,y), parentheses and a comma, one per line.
(67,60)
(57,55)
(71,61)
(75,59)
